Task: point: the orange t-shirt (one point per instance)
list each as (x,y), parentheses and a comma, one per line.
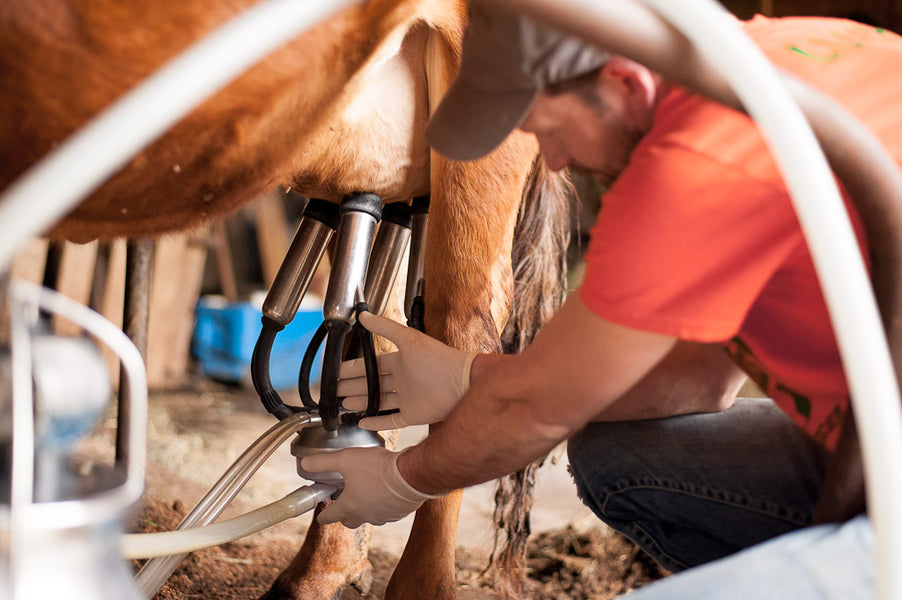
(698,238)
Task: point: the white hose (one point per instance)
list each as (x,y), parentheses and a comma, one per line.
(146,545)
(157,570)
(143,114)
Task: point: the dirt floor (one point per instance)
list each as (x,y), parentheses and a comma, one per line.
(194,436)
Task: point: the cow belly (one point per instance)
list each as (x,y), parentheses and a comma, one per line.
(342,108)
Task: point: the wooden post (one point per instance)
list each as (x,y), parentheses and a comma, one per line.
(272,234)
(99,276)
(225,265)
(178,274)
(139,263)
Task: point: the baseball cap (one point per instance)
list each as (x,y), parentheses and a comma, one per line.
(507,59)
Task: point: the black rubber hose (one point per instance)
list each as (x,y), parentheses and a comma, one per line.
(307,367)
(260,359)
(328,399)
(353,348)
(364,339)
(417,318)
(420,205)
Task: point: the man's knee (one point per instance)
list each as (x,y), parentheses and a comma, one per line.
(589,450)
(583,463)
(600,455)
(609,448)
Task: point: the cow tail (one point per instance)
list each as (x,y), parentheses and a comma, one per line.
(539,254)
(539,260)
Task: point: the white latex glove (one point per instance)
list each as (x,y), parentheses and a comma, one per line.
(424,379)
(374,492)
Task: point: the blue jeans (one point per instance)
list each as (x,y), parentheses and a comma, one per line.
(693,489)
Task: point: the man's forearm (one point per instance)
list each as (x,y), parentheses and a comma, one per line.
(520,406)
(494,431)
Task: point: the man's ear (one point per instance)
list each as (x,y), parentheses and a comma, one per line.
(634,82)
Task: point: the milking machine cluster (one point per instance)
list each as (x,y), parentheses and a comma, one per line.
(365,263)
(55,513)
(363,273)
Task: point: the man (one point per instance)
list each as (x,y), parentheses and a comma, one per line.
(697,265)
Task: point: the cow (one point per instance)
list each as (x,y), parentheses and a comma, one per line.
(342,108)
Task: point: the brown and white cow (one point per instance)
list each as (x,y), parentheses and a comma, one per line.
(340,109)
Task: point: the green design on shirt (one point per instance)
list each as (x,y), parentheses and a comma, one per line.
(802,403)
(748,362)
(825,58)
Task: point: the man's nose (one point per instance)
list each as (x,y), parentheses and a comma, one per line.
(555,157)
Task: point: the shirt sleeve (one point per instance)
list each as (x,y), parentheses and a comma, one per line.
(684,244)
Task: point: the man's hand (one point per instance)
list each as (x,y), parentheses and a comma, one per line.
(424,379)
(374,491)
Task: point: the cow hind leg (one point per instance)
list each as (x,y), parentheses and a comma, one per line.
(537,250)
(428,557)
(331,558)
(468,286)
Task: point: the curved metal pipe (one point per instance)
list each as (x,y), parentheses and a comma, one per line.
(25,295)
